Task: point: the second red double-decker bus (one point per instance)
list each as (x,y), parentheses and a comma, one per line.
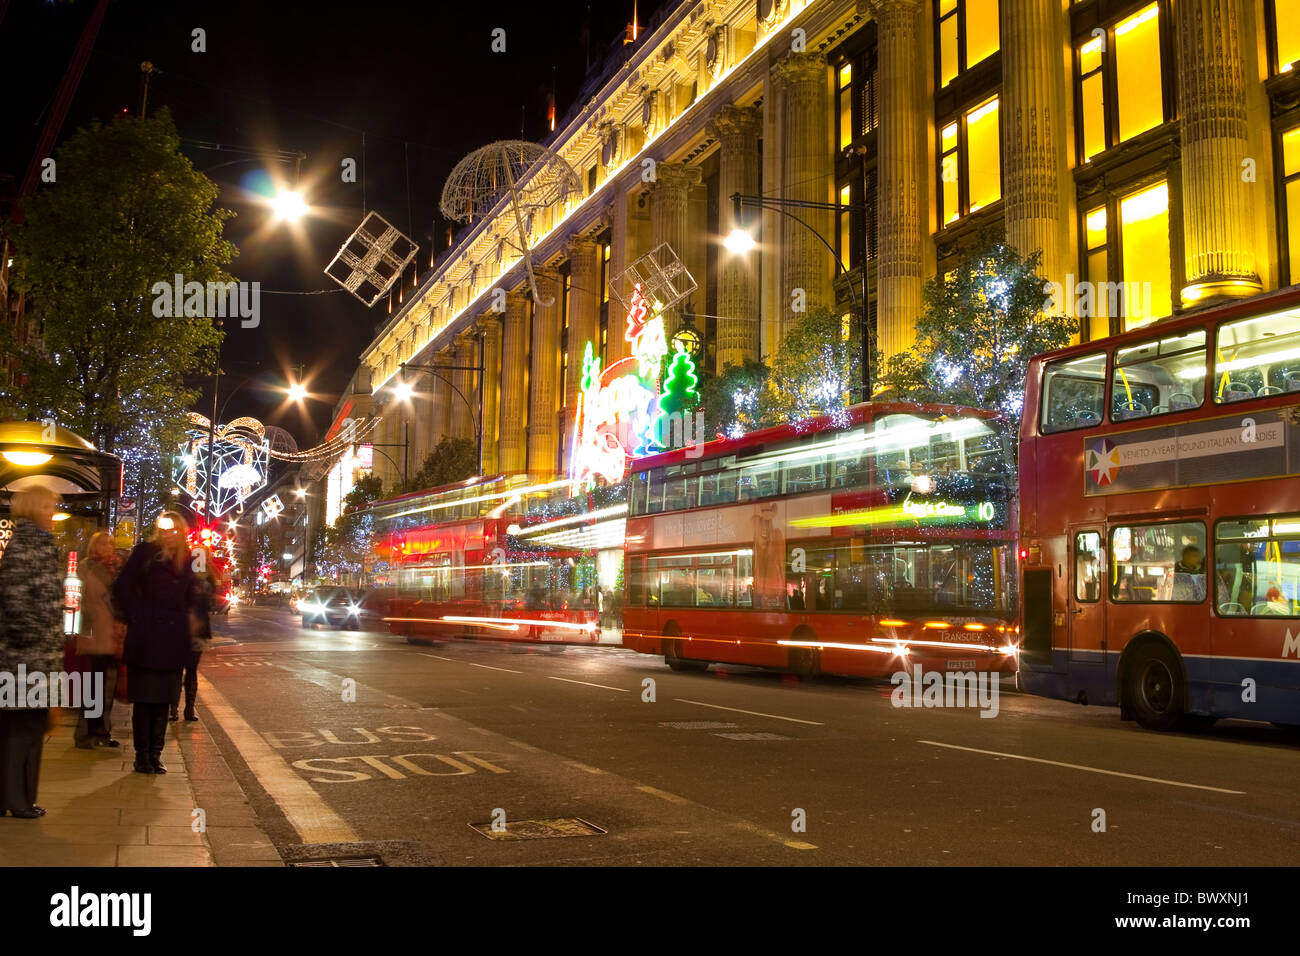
(861,543)
(1160,514)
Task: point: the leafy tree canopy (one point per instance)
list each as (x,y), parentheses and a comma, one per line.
(452,459)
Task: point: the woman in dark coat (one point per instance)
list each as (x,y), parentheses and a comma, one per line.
(158,594)
(31,634)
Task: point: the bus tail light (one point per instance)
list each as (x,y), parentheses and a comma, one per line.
(1031,555)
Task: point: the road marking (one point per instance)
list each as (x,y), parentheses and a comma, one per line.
(523,746)
(471,663)
(752,713)
(309,815)
(621,690)
(665,795)
(1075,766)
(759,831)
(583,766)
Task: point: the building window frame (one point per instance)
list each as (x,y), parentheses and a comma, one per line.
(1288,271)
(960,161)
(957,13)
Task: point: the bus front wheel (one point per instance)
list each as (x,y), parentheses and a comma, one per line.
(1155,688)
(805,662)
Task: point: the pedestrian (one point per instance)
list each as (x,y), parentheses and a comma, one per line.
(101,636)
(31,636)
(156,592)
(205,582)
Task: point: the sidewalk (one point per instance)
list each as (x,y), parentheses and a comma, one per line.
(100,813)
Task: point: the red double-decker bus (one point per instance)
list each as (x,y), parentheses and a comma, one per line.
(457,567)
(860,544)
(1160,518)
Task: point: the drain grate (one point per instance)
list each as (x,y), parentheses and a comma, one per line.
(540,829)
(697,725)
(757,736)
(340,861)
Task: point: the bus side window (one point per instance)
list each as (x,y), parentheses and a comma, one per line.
(1257,357)
(1073,393)
(1159,377)
(1089,571)
(1158,563)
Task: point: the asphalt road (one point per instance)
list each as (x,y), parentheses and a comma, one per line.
(357,738)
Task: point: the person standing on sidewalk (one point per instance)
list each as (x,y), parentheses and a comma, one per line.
(156,592)
(101,636)
(31,635)
(205,582)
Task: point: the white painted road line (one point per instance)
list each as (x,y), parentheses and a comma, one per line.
(587,683)
(309,815)
(471,663)
(1075,766)
(752,713)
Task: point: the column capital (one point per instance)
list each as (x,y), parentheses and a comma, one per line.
(677,176)
(888,9)
(799,69)
(489,323)
(579,248)
(733,120)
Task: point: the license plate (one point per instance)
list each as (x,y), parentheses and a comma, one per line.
(960,665)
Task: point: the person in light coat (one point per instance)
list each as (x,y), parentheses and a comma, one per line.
(101,636)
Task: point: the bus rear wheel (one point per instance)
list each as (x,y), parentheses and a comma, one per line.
(805,662)
(672,645)
(1154,688)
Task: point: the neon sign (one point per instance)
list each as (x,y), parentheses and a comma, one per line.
(619,407)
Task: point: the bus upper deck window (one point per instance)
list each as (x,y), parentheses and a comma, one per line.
(1257,357)
(1073,393)
(1159,377)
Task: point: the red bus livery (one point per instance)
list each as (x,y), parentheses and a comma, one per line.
(1160,516)
(862,543)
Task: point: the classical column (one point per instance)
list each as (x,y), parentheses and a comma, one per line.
(801,81)
(903,172)
(543,375)
(441,397)
(490,327)
(463,409)
(584,311)
(669,222)
(622,250)
(1218,215)
(514,357)
(1033,127)
(737,129)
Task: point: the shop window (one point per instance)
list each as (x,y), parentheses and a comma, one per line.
(966,34)
(1119,82)
(970,162)
(1290,167)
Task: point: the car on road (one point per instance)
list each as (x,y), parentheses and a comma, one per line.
(333,606)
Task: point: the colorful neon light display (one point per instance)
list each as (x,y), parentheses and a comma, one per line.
(620,410)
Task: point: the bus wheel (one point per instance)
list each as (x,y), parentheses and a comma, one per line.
(805,662)
(1155,688)
(673,653)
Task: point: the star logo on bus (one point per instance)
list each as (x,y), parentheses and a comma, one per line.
(1103,462)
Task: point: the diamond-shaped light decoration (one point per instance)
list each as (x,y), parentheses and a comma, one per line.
(372,259)
(661,276)
(272,507)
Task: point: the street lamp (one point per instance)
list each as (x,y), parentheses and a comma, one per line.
(288,205)
(740,241)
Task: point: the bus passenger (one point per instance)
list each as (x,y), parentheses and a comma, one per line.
(1189,576)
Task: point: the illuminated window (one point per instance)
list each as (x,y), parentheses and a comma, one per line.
(1286,35)
(1119,83)
(1144,238)
(846,104)
(1291,198)
(846,227)
(1097,320)
(970,162)
(966,33)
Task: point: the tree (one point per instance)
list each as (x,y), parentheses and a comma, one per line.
(452,459)
(127,210)
(341,550)
(981,325)
(731,400)
(816,371)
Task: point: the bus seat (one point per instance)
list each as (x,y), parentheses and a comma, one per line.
(1263,607)
(1161,410)
(1291,382)
(1268,390)
(1237,392)
(1087,417)
(1232,608)
(1181,401)
(1129,410)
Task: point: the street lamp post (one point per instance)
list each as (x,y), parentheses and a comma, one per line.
(740,241)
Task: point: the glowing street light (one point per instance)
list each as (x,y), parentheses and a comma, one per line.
(26,459)
(297,392)
(288,205)
(403,391)
(739,241)
(300,492)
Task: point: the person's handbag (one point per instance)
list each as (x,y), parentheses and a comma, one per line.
(73,662)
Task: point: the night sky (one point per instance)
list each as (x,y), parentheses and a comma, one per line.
(419,79)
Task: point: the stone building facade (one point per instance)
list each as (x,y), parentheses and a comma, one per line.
(1154,143)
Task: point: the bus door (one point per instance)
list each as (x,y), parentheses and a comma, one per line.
(1086,618)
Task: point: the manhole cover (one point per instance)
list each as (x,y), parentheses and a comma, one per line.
(340,861)
(539,829)
(696,725)
(758,736)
